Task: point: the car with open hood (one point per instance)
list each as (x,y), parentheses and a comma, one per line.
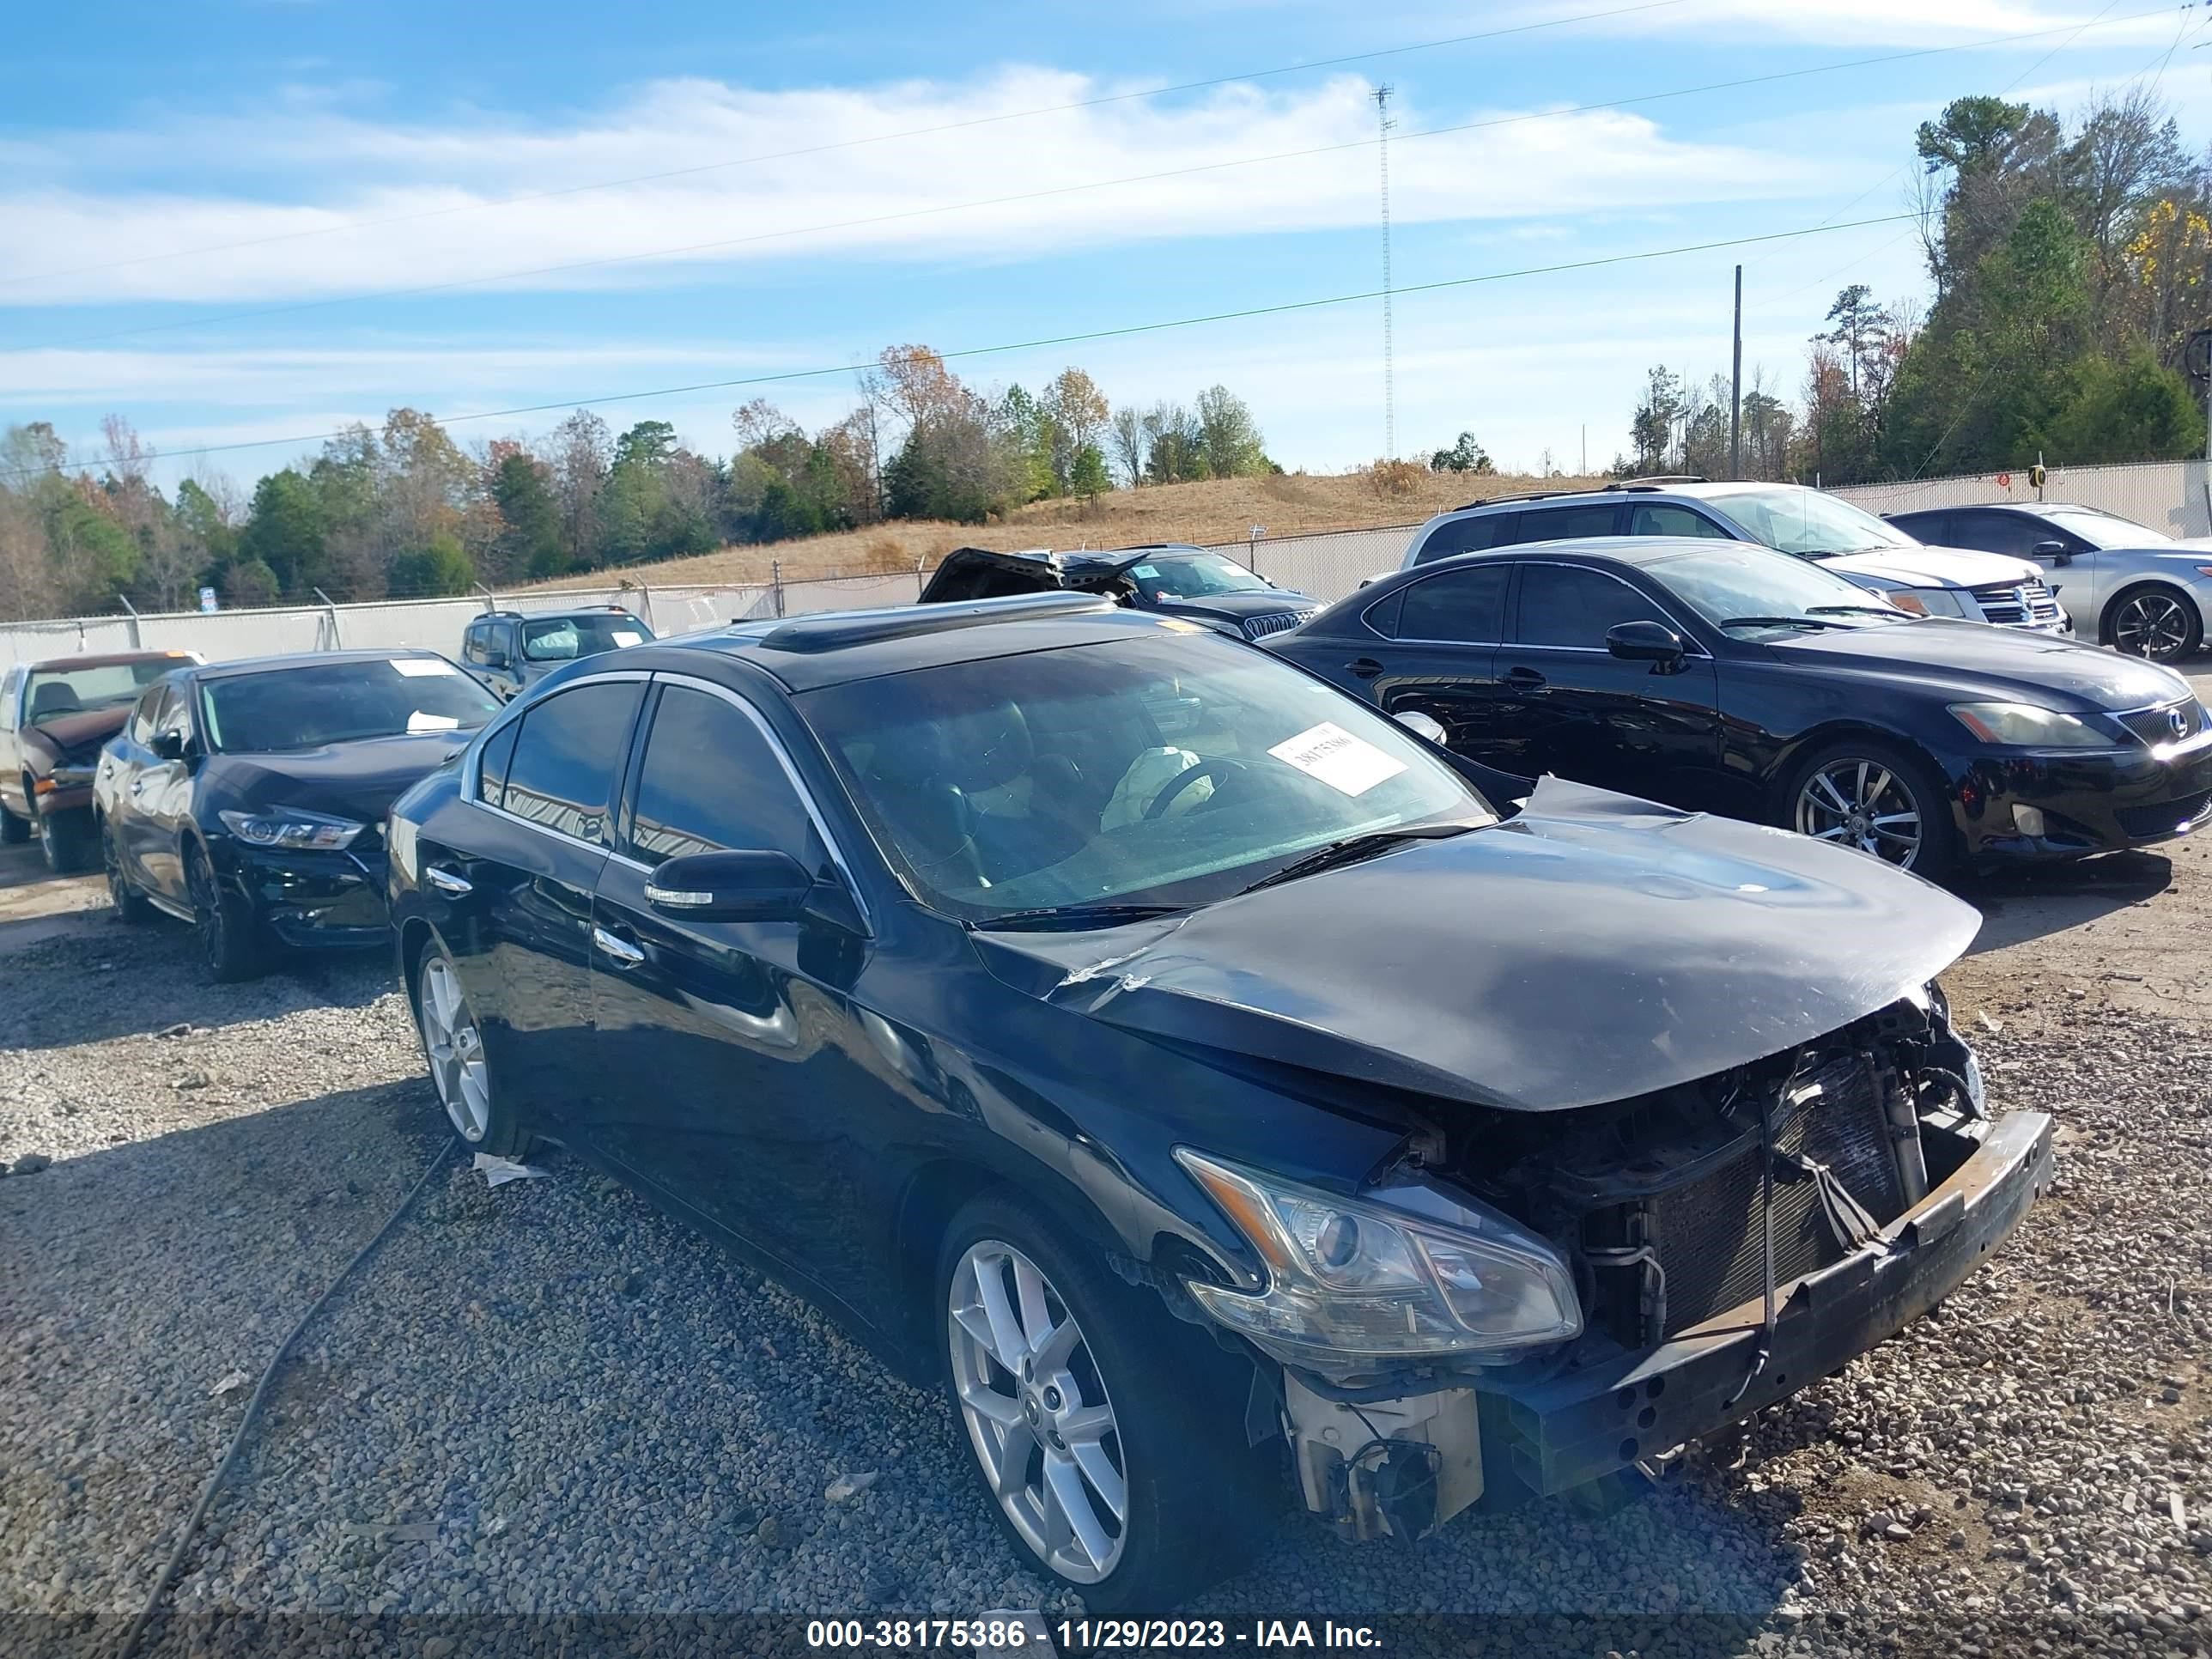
(1201,1078)
(1724,676)
(2124,584)
(1842,538)
(247,797)
(55,715)
(1169,579)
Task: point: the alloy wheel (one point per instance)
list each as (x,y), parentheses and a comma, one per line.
(2153,625)
(208,915)
(455,1049)
(1037,1413)
(1860,802)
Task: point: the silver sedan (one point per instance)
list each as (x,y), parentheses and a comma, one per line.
(2124,584)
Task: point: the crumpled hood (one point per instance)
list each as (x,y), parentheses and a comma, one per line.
(357,780)
(1934,566)
(1595,948)
(1239,605)
(81,732)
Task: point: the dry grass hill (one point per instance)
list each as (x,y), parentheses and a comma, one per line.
(1218,510)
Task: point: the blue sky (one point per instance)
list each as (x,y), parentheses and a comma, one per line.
(210,206)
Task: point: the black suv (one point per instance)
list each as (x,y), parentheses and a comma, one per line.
(1085,1006)
(511,652)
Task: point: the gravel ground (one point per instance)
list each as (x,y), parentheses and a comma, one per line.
(546,1399)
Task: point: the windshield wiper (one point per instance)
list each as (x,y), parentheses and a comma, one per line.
(1074,916)
(1781,621)
(1353,849)
(1889,611)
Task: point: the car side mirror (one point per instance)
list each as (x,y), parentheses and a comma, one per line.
(169,746)
(1421,726)
(1646,642)
(740,886)
(2054,551)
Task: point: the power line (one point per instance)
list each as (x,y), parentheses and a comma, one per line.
(456,284)
(855,143)
(1075,338)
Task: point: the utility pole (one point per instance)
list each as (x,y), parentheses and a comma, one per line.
(1735,387)
(1383,125)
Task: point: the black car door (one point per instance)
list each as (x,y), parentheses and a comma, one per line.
(1442,657)
(157,795)
(542,832)
(728,1045)
(1581,713)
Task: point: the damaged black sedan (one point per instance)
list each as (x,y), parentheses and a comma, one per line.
(1206,1080)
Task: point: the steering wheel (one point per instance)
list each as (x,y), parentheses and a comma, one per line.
(1221,766)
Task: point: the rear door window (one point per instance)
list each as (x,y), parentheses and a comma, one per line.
(1468,535)
(491,767)
(1666,518)
(1998,533)
(1563,524)
(1460,607)
(569,760)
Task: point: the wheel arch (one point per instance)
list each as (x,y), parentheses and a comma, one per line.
(1813,739)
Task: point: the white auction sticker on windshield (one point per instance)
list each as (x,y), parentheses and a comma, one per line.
(623,636)
(418,668)
(1144,570)
(1340,760)
(419,722)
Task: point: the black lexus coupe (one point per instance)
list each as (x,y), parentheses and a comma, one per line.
(1727,677)
(1204,1079)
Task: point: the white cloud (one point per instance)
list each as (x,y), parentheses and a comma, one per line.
(444,184)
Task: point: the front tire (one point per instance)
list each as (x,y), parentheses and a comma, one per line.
(2155,623)
(229,937)
(1878,797)
(1109,1436)
(452,1044)
(63,838)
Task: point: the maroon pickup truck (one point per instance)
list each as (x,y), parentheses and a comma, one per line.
(55,716)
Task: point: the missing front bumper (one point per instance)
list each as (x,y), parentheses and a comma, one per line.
(1608,1412)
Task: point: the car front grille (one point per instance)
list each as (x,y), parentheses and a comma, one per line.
(1710,1243)
(2166,818)
(2017,604)
(2158,725)
(1276,621)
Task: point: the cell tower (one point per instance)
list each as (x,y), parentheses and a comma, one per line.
(1383,125)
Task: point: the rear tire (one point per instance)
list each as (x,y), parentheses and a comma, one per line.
(14,831)
(230,937)
(124,901)
(1174,1452)
(452,1046)
(65,839)
(1872,795)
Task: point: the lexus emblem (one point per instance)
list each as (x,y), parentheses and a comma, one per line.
(2178,721)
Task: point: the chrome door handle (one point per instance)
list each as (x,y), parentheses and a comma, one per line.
(625,954)
(138,785)
(452,885)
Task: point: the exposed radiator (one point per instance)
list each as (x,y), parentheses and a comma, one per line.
(1711,1242)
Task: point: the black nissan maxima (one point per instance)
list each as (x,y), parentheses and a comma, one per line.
(248,798)
(1197,1075)
(1722,676)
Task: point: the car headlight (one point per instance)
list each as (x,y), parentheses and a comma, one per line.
(292,828)
(2025,725)
(1412,1273)
(1930,602)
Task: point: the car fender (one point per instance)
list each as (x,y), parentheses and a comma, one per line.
(1794,749)
(2196,591)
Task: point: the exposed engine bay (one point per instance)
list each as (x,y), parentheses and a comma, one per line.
(1675,1208)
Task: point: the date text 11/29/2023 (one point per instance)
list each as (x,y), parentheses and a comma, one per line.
(1027,1633)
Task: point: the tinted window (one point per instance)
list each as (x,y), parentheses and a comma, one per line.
(1665,519)
(1461,605)
(569,757)
(1933,528)
(1998,533)
(1469,535)
(491,772)
(475,641)
(146,718)
(710,783)
(1560,523)
(1562,604)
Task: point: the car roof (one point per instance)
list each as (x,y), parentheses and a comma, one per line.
(1090,561)
(106,659)
(835,647)
(555,616)
(218,671)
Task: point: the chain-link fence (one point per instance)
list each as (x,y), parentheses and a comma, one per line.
(2169,497)
(2172,497)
